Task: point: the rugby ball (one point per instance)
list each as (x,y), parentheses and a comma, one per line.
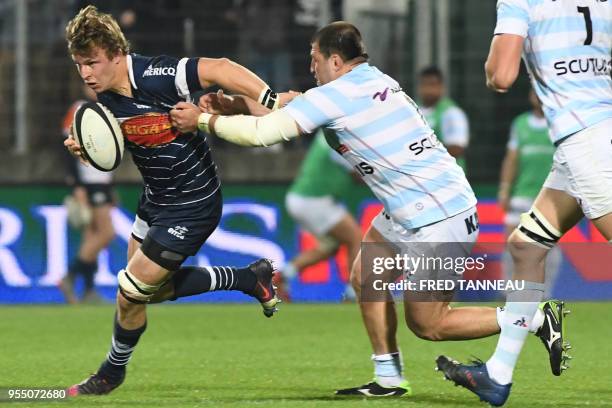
(99,135)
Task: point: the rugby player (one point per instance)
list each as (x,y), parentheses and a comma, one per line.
(567,47)
(425,194)
(181,203)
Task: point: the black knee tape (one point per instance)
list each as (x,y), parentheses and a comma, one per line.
(161,255)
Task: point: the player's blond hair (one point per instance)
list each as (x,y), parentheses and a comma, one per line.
(91,28)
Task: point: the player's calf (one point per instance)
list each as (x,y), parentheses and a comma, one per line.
(254,280)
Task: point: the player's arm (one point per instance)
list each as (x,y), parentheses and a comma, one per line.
(504,61)
(249,130)
(237,79)
(243,130)
(299,117)
(221,104)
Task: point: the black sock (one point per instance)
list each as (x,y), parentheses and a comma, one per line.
(85,269)
(193,280)
(123,343)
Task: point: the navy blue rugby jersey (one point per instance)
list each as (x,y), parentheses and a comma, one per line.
(177,169)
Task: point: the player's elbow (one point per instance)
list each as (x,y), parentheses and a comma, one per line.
(500,78)
(225,63)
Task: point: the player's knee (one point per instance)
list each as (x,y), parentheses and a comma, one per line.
(134,290)
(534,230)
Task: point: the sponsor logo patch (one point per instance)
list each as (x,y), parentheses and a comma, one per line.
(157,71)
(151,129)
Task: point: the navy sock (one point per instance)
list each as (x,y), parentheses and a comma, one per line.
(193,280)
(122,346)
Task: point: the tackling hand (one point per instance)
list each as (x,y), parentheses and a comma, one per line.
(184,117)
(217,103)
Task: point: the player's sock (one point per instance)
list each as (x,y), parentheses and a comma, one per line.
(521,307)
(388,369)
(534,325)
(193,280)
(122,345)
(85,269)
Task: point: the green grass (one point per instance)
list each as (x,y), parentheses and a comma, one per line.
(231,356)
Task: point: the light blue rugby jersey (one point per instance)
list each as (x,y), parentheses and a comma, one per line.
(567,51)
(379,130)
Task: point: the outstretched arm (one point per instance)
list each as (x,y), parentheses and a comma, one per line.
(237,79)
(243,130)
(221,104)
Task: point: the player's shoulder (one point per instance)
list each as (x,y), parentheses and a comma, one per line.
(159,66)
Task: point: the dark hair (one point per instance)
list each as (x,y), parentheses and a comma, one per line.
(432,71)
(340,38)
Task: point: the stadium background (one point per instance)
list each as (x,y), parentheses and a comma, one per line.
(38,83)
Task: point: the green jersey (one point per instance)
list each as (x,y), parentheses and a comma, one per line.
(322,174)
(529,137)
(449,123)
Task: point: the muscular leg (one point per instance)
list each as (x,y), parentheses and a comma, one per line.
(379,318)
(131,315)
(140,277)
(561,212)
(437,321)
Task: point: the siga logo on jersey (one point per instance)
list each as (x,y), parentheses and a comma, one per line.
(151,129)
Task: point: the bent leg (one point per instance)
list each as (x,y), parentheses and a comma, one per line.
(437,321)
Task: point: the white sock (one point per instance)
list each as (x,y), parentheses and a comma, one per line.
(521,307)
(534,326)
(388,369)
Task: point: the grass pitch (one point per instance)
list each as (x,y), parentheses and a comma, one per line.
(232,356)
